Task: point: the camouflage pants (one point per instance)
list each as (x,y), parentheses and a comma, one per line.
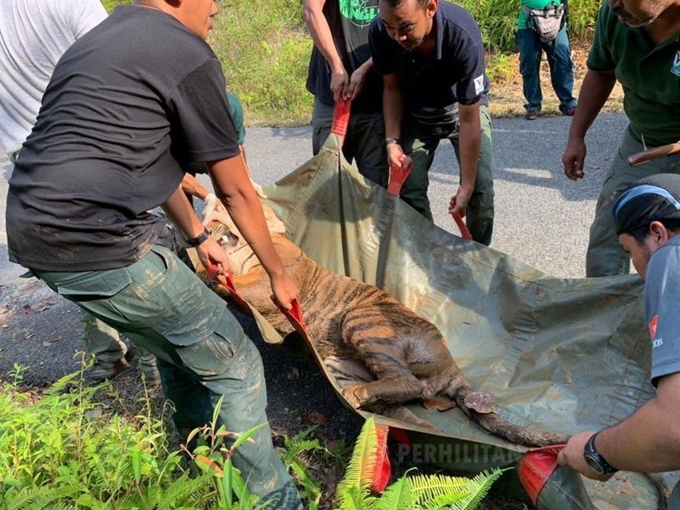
(203,354)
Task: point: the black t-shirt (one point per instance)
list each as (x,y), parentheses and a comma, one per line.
(128,105)
(454,73)
(349,23)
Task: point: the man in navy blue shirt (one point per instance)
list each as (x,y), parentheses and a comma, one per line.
(431,57)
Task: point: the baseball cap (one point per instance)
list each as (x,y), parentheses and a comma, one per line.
(650,199)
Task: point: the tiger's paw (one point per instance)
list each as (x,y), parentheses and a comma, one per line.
(353,395)
(439,404)
(480,402)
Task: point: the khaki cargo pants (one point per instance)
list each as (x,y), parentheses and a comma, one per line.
(203,354)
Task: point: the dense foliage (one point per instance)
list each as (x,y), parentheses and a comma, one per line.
(264,48)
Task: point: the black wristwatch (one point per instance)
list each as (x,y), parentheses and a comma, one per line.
(199,239)
(595,461)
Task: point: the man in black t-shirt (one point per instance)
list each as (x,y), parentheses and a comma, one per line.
(341,67)
(431,57)
(129,105)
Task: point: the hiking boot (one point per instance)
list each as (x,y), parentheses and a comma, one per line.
(569,112)
(147,362)
(531,115)
(102,371)
(152,379)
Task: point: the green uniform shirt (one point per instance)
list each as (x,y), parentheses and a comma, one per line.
(650,77)
(236,110)
(523,21)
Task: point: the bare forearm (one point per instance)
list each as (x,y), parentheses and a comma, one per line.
(194,188)
(366,66)
(179,210)
(393,108)
(321,33)
(648,441)
(470,142)
(595,91)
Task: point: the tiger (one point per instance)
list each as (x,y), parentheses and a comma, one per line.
(381,354)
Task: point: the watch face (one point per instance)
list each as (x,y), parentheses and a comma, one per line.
(594,464)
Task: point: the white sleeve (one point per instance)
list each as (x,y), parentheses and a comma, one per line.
(85,15)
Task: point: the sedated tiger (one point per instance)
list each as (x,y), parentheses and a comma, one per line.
(381,354)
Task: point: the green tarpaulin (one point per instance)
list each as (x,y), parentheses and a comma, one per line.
(559,355)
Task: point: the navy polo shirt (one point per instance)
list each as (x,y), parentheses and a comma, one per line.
(454,72)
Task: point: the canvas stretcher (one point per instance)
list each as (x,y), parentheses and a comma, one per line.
(562,355)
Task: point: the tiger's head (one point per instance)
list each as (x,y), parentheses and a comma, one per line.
(219,223)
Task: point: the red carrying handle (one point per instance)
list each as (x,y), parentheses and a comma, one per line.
(536,467)
(227,280)
(397,178)
(383,469)
(294,315)
(341,117)
(464,232)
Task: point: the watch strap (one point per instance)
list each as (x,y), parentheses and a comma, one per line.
(199,239)
(593,456)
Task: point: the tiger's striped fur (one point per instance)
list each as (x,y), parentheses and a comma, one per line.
(381,354)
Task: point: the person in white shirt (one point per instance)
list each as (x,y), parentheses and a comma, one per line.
(34,34)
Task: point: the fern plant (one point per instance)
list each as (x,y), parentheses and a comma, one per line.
(407,493)
(294,454)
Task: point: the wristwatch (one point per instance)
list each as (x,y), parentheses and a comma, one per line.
(595,461)
(199,239)
(389,141)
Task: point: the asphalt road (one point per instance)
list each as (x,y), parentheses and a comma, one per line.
(541,218)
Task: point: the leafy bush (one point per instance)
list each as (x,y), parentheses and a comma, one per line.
(264,49)
(63,448)
(60,447)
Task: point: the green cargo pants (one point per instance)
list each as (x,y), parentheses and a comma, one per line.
(364,142)
(420,143)
(605,256)
(203,354)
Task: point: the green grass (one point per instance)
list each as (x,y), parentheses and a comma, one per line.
(68,447)
(497,20)
(264,48)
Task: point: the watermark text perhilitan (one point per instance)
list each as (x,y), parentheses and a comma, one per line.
(455,453)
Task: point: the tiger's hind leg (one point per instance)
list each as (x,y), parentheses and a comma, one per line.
(361,389)
(383,391)
(349,372)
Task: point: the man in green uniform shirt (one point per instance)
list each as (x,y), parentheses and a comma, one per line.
(638,44)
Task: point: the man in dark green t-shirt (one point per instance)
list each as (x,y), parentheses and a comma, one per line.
(638,45)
